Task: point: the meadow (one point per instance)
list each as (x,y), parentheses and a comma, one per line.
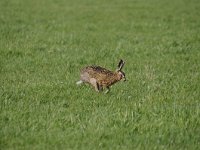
(45,43)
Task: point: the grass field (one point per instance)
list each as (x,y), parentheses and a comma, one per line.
(44,44)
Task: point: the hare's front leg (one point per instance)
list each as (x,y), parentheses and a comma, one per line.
(107,89)
(94,83)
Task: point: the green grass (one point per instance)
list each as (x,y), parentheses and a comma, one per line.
(43,45)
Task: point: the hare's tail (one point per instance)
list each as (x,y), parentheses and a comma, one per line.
(79,82)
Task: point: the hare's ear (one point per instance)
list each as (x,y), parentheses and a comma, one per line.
(121,64)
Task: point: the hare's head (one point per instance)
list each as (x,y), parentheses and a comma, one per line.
(120,73)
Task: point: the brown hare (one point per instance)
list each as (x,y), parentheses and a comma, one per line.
(101,78)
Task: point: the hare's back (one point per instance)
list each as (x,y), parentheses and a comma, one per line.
(97,72)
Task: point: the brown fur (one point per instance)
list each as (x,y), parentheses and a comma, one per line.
(100,77)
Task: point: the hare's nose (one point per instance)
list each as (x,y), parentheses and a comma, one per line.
(124,79)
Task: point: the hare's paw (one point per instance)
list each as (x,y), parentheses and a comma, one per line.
(107,90)
(79,82)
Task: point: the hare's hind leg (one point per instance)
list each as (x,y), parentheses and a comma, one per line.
(94,83)
(84,78)
(79,82)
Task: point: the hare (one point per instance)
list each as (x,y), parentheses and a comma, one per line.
(101,78)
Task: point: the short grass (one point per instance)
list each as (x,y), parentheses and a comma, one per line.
(43,45)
